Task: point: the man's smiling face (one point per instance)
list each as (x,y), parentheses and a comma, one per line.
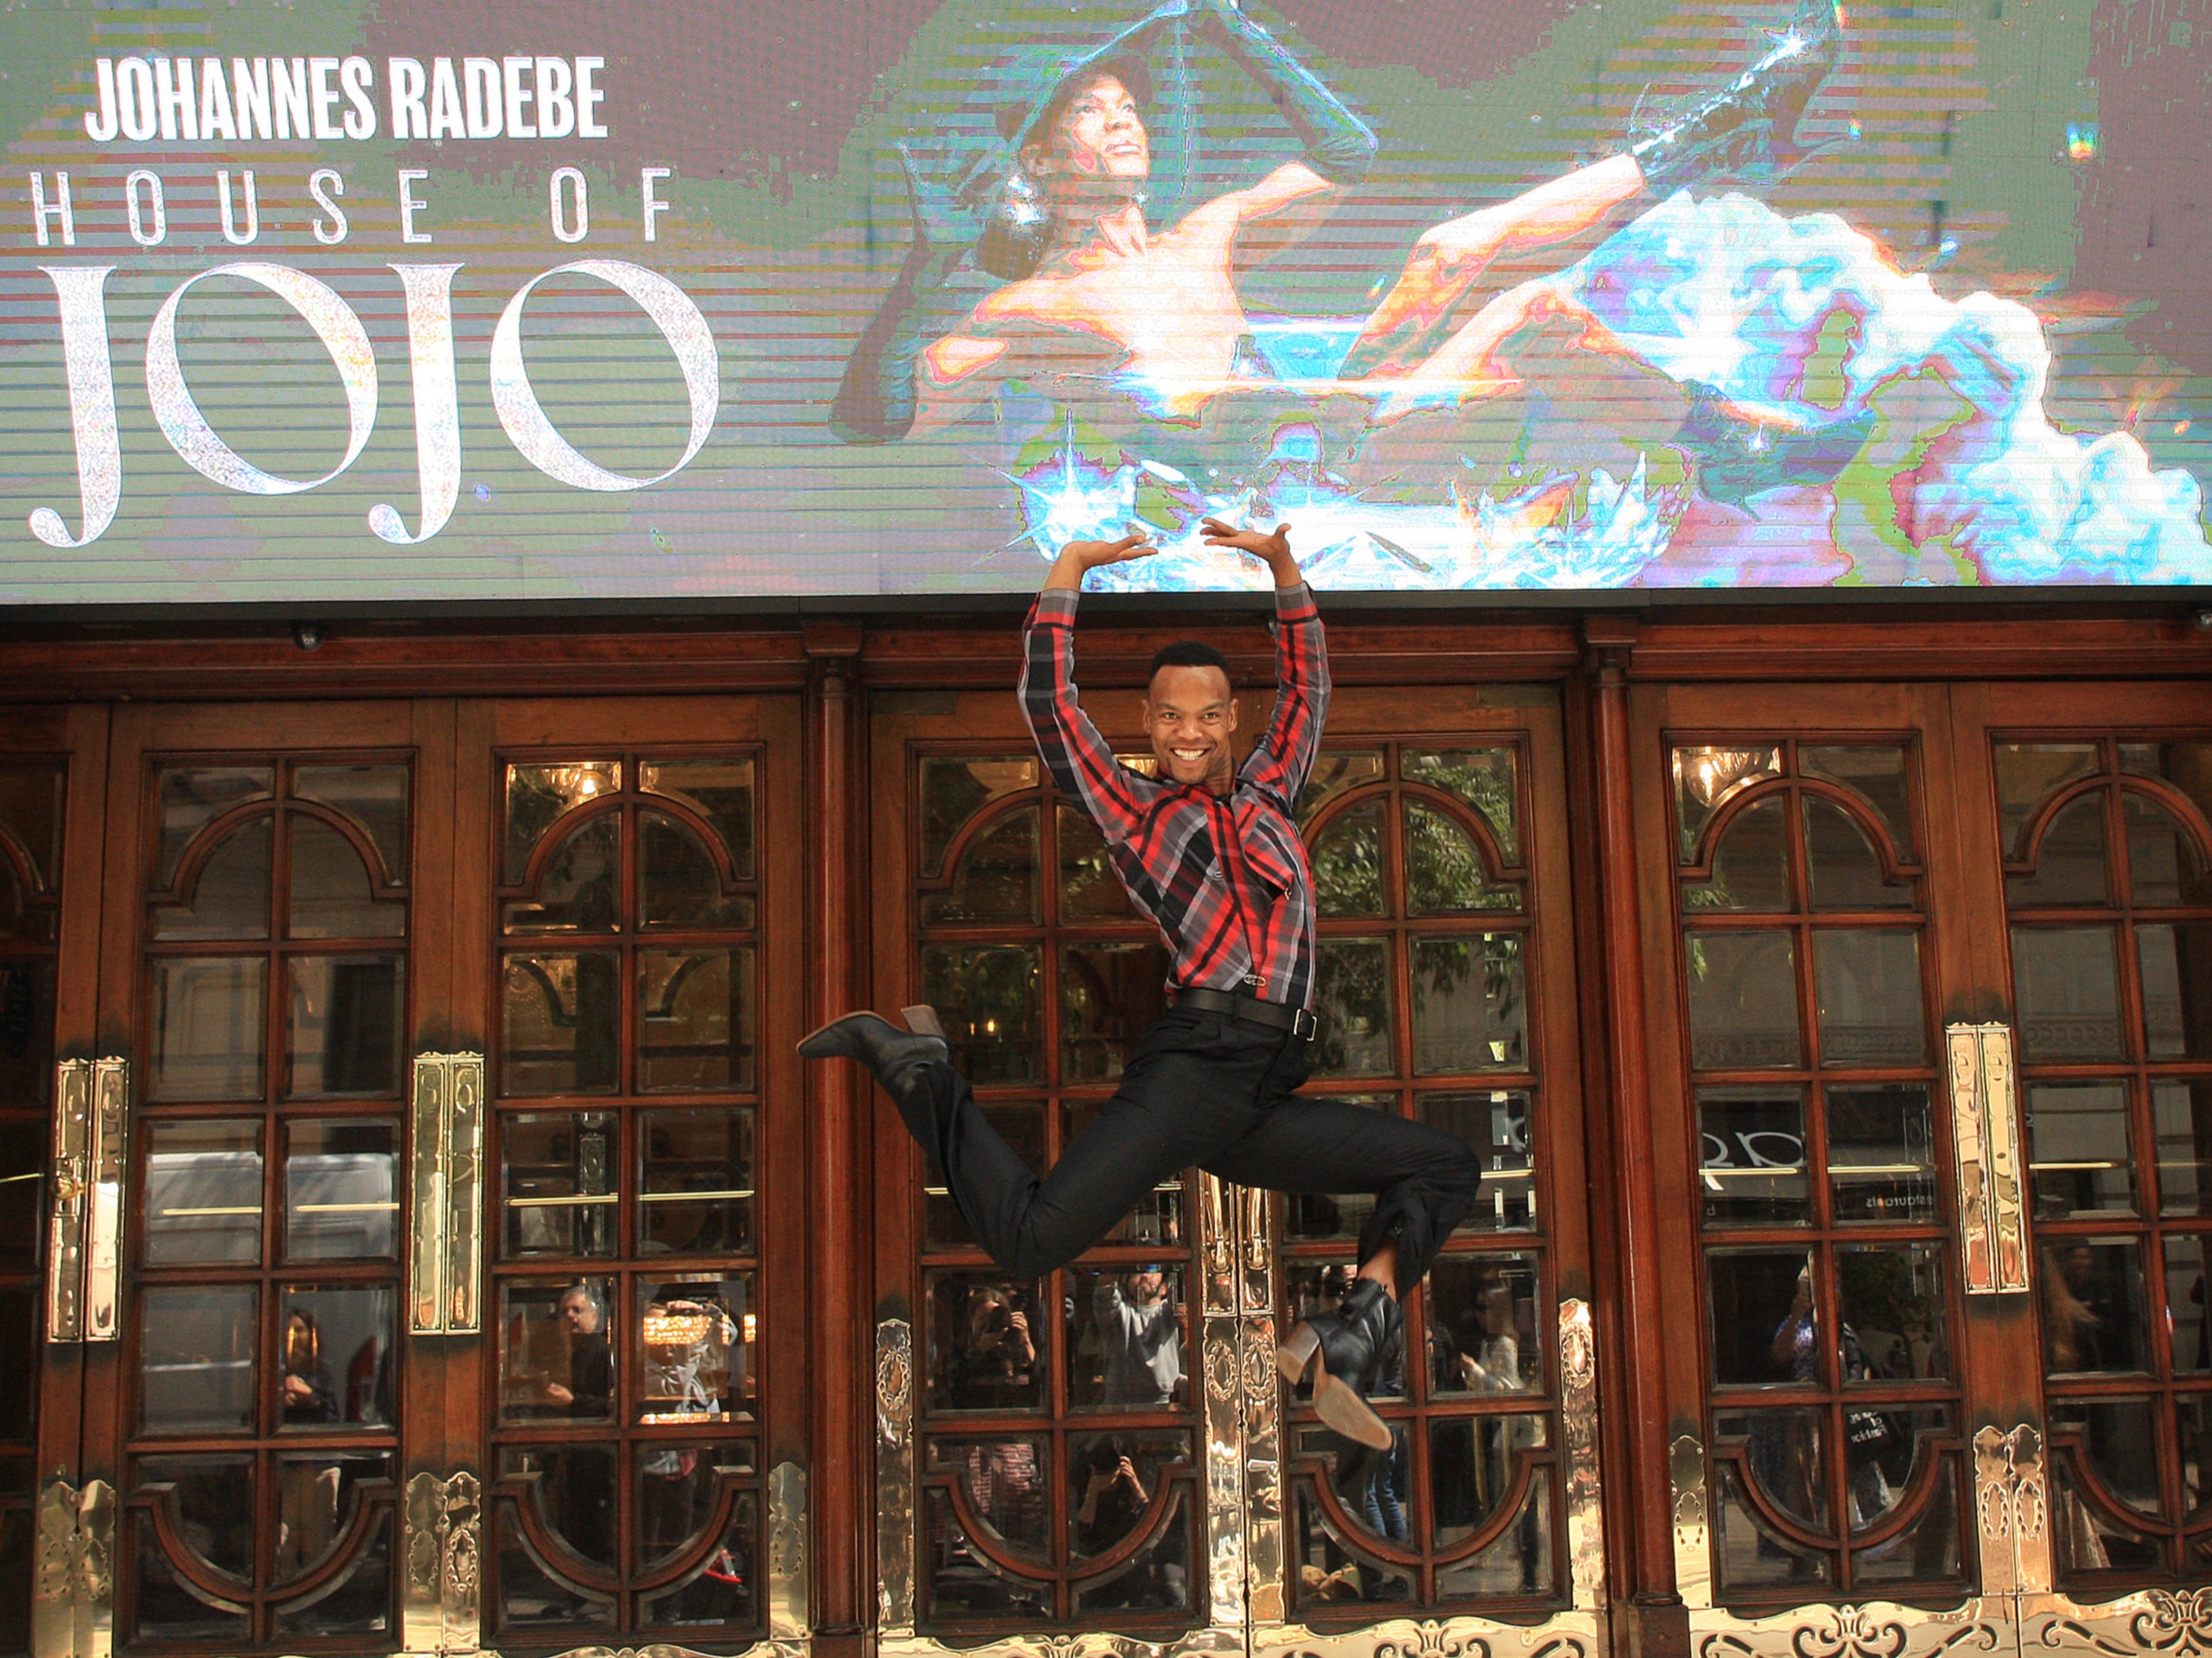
(1190,717)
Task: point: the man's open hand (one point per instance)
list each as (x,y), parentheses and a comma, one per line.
(1271,547)
(1077,558)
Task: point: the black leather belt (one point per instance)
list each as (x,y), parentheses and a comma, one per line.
(1251,1010)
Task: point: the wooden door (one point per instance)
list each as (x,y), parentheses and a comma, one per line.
(1922,1038)
(1006,1509)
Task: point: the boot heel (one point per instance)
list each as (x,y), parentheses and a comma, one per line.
(1341,1407)
(1295,1354)
(922,1019)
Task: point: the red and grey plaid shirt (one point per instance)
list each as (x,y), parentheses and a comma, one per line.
(1224,876)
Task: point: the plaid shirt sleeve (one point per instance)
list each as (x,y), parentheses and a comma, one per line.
(1281,763)
(1080,760)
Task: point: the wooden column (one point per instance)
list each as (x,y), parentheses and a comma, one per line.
(838,1173)
(1652,1622)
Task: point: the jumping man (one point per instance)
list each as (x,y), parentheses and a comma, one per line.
(1210,850)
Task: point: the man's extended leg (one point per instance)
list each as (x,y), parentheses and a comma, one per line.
(1424,1183)
(1188,1090)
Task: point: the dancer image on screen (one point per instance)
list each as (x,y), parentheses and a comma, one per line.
(1088,294)
(1210,849)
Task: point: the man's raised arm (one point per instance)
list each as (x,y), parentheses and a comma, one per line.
(1080,760)
(1283,757)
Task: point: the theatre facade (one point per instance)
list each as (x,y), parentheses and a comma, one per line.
(424,1237)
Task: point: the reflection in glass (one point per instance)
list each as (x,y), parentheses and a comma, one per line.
(1348,862)
(1896,1320)
(27,1057)
(203,1192)
(720,789)
(571,1489)
(1751,1168)
(694,1343)
(346,1015)
(1020,1123)
(208,1032)
(2109,1444)
(2181,1118)
(557,1175)
(2066,988)
(1470,1004)
(1089,890)
(1445,874)
(196,1358)
(559,1023)
(335,1347)
(1844,869)
(2187,1329)
(1475,1465)
(317,1494)
(1352,997)
(679,885)
(23,1166)
(987,998)
(1764,1320)
(579,889)
(1867,989)
(229,896)
(1114,1478)
(1708,777)
(1873,771)
(1005,1483)
(1107,994)
(1751,865)
(1926,1550)
(2176,958)
(1336,771)
(1125,1337)
(1329,1574)
(696,1194)
(2069,860)
(1495,1122)
(2192,1414)
(996,880)
(677,1490)
(1743,1001)
(2028,773)
(2092,1307)
(2077,1149)
(1521,1560)
(20,1323)
(1483,778)
(332,897)
(539,796)
(1484,1337)
(192,797)
(340,1200)
(31,811)
(1881,1152)
(1771,1460)
(212,1498)
(1311,1286)
(554,1361)
(2164,866)
(954,791)
(374,797)
(987,1342)
(694,1020)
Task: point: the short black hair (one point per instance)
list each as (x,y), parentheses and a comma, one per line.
(1189,653)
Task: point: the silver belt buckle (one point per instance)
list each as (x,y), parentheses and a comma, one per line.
(1303,1023)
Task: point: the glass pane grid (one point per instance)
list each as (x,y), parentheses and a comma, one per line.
(1829,1303)
(626,1317)
(2111,915)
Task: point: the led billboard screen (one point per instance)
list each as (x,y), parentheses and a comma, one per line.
(332,300)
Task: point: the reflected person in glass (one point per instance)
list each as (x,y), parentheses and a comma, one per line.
(310,1490)
(1210,849)
(1140,1338)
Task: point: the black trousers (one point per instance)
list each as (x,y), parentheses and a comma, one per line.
(1206,1089)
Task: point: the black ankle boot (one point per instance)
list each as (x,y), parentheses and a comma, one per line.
(1749,130)
(892,1054)
(1345,1349)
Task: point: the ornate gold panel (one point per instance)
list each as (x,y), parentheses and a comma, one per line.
(84,1231)
(1986,1131)
(789,1618)
(445,1175)
(2177,1622)
(442,1545)
(73,1587)
(1578,1426)
(1570,1635)
(2012,1511)
(1868,1628)
(895,1508)
(1685,1478)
